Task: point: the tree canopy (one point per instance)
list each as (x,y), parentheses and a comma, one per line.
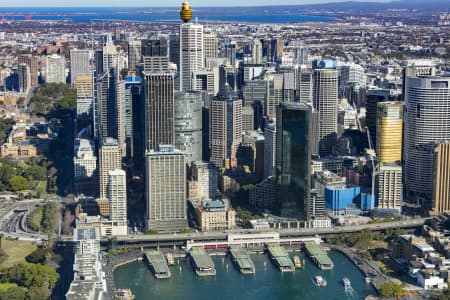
(391,288)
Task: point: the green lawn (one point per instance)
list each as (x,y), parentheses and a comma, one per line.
(17,251)
(35,219)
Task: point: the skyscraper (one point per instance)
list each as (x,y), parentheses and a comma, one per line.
(304,85)
(206,174)
(80,63)
(110,107)
(257,52)
(274,94)
(188,124)
(155,56)
(229,52)
(111,58)
(191,53)
(210,43)
(293,159)
(441,178)
(270,145)
(225,129)
(174,49)
(134,54)
(32,63)
(109,159)
(426,121)
(24,78)
(389,132)
(373,97)
(159,109)
(165,189)
(389,187)
(55,69)
(134,125)
(325,98)
(301,54)
(205,80)
(85,168)
(117,196)
(85,93)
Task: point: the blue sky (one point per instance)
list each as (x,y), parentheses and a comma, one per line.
(153,3)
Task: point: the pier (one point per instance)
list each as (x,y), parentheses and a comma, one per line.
(158,264)
(202,262)
(319,256)
(242,260)
(281,258)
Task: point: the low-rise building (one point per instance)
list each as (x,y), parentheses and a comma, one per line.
(214,215)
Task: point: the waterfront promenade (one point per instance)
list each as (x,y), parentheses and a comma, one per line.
(110,263)
(369,269)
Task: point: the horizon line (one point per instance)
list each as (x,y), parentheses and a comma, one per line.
(203,6)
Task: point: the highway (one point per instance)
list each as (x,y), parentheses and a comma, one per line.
(13,217)
(180,238)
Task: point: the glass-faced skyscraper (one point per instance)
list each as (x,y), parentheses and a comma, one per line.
(426,122)
(294,135)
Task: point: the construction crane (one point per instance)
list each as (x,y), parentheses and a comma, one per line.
(372,155)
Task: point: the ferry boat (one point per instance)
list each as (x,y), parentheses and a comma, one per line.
(319,281)
(297,262)
(346,282)
(124,294)
(170,260)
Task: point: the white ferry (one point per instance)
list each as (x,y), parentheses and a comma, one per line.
(319,281)
(346,282)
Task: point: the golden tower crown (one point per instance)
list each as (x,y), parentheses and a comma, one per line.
(186,12)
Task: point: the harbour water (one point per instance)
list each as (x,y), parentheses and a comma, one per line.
(268,283)
(150,14)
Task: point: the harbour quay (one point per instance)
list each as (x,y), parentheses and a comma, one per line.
(319,256)
(242,259)
(202,262)
(281,258)
(158,264)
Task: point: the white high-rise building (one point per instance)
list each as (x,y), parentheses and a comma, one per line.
(109,159)
(325,98)
(165,189)
(117,196)
(111,56)
(191,53)
(389,187)
(80,63)
(210,44)
(55,69)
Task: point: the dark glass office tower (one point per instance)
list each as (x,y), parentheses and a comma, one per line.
(294,136)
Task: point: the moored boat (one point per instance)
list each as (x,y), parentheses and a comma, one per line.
(124,294)
(297,262)
(170,260)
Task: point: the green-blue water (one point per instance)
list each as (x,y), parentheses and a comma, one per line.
(268,283)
